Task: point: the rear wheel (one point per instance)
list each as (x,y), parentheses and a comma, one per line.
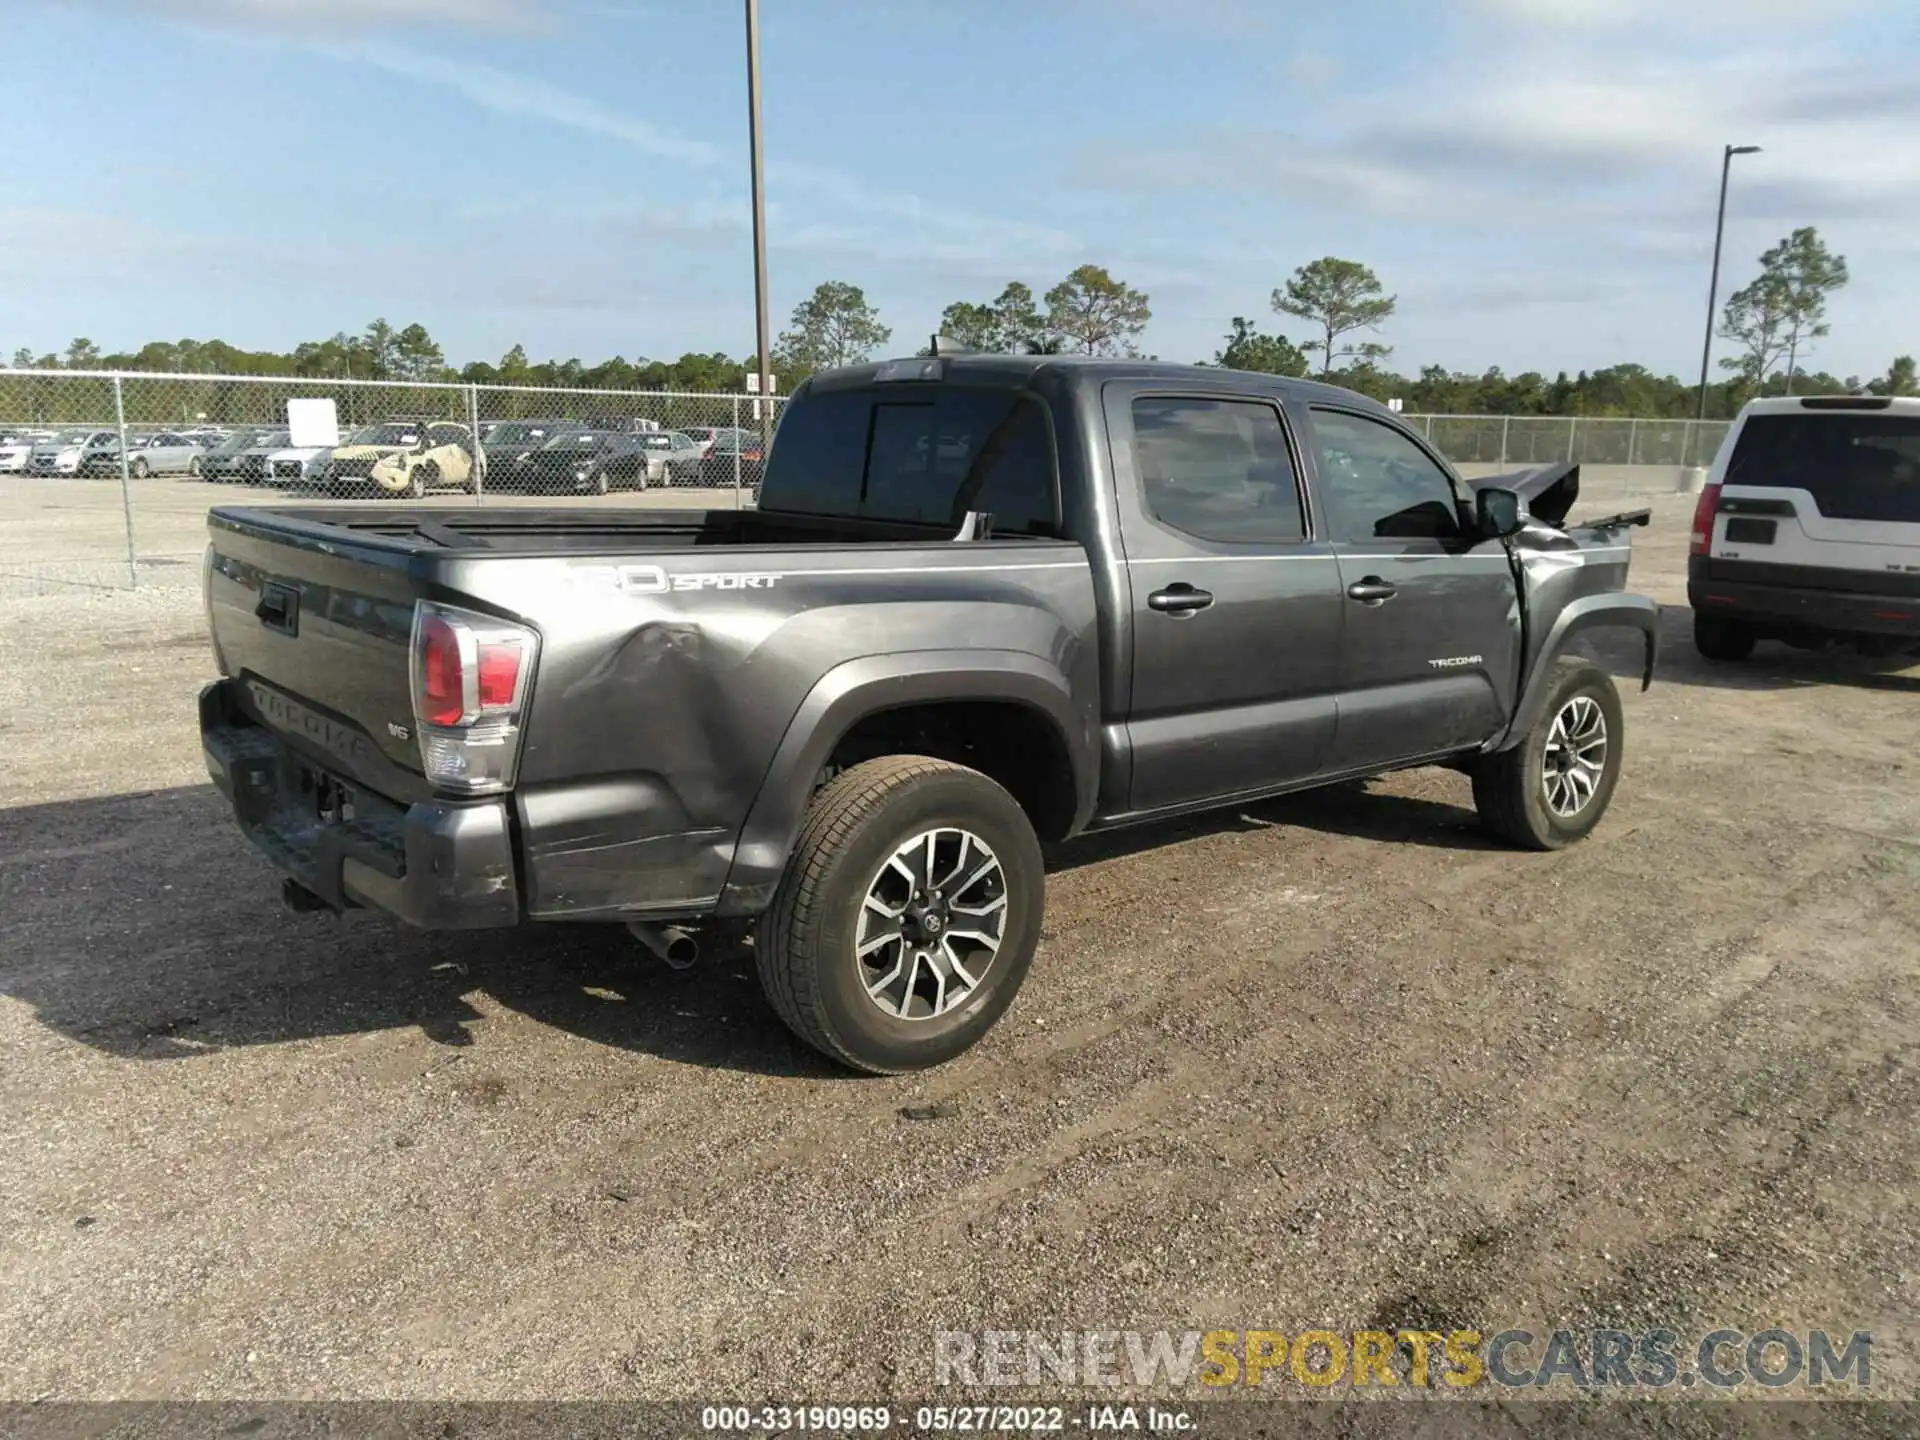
(193,467)
(1718,638)
(1552,788)
(907,917)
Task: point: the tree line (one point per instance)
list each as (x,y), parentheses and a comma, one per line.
(1772,321)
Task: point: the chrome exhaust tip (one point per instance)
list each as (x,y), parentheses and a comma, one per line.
(677,948)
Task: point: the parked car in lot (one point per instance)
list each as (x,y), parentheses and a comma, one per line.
(403,458)
(672,458)
(351,464)
(297,465)
(62,454)
(595,462)
(15,447)
(1808,529)
(242,455)
(734,456)
(165,453)
(442,459)
(102,454)
(851,716)
(506,446)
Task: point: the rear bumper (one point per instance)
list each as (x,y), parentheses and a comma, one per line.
(435,865)
(1716,587)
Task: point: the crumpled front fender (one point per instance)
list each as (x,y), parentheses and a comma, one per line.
(1590,612)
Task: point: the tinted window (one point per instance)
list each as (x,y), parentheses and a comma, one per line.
(1856,467)
(1217,469)
(1379,485)
(917,452)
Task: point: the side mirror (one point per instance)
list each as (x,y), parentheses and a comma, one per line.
(1499,513)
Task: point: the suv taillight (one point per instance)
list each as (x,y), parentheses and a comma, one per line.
(470,679)
(1703,513)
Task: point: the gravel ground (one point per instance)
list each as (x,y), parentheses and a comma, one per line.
(1335,1061)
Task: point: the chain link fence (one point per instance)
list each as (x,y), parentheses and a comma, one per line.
(1522,440)
(105,478)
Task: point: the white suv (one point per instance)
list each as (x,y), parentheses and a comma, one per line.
(1808,529)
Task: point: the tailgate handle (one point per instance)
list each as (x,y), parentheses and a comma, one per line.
(279,608)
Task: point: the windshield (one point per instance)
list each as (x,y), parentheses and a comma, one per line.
(237,441)
(270,440)
(521,434)
(1856,467)
(72,437)
(584,440)
(385,435)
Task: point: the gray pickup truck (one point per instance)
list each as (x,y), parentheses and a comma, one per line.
(986,602)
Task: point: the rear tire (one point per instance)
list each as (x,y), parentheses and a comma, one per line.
(1554,786)
(848,855)
(1717,638)
(193,467)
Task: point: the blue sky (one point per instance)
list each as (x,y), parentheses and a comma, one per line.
(1534,179)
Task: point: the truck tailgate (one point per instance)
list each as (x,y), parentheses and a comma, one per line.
(317,634)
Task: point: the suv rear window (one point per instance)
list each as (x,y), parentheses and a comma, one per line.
(1856,467)
(925,453)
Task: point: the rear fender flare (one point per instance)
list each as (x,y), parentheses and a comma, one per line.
(1590,612)
(848,694)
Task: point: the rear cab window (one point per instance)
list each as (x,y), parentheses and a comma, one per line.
(1856,466)
(918,453)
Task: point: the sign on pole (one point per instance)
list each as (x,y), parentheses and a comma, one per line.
(312,424)
(753,387)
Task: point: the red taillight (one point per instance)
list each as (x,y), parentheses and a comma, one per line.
(1703,513)
(468,669)
(499,674)
(443,690)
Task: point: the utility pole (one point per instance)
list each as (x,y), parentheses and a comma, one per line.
(1713,286)
(762,328)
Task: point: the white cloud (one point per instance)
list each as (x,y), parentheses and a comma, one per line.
(507,93)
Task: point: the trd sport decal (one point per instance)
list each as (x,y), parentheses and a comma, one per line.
(652,580)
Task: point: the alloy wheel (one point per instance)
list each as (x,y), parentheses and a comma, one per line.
(1576,756)
(931,924)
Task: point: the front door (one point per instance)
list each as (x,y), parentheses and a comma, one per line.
(1235,611)
(1431,643)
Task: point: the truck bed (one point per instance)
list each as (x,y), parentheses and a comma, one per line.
(571,530)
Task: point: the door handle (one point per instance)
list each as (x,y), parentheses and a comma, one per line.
(1371,590)
(279,608)
(1179,599)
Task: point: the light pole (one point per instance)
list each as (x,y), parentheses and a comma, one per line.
(759,217)
(1713,286)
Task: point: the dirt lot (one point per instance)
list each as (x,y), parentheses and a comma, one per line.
(1329,1062)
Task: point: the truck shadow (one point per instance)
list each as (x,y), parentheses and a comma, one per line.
(143,926)
(1349,808)
(1772,666)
